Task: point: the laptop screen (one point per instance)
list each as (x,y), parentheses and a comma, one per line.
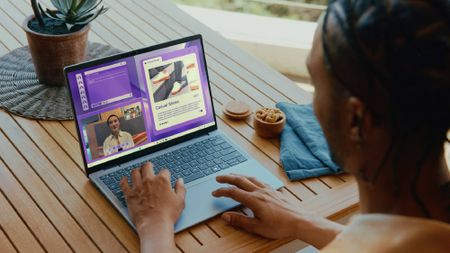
(138,101)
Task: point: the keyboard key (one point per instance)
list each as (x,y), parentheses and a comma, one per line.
(218,142)
(224,166)
(208,171)
(193,163)
(225,145)
(233,162)
(187,172)
(233,155)
(227,151)
(241,159)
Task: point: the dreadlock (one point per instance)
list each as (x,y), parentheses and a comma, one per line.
(401,49)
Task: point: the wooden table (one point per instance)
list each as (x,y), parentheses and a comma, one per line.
(48,205)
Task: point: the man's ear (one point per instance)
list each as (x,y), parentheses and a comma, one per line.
(356,111)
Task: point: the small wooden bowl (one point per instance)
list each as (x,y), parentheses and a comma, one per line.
(269,130)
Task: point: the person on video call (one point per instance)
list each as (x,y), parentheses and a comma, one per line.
(118,140)
(381,71)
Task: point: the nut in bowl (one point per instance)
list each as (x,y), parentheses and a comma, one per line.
(269,122)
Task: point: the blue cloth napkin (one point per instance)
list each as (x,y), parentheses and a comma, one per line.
(304,151)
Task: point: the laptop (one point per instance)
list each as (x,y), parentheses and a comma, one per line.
(154,104)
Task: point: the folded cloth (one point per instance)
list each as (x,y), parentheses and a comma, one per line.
(304,151)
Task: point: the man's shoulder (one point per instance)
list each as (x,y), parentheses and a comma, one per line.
(126,134)
(107,139)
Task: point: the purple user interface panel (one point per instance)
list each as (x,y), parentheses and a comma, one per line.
(132,103)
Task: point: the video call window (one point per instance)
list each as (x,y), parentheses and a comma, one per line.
(114,131)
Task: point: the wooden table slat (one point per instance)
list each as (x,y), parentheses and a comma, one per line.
(185,241)
(15,228)
(133,31)
(114,28)
(3,49)
(41,194)
(9,41)
(7,246)
(71,128)
(142,25)
(74,176)
(31,214)
(45,184)
(10,18)
(332,181)
(204,233)
(69,145)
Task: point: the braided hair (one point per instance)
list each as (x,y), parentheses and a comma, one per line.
(399,53)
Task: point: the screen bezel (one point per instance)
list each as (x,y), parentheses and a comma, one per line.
(152,149)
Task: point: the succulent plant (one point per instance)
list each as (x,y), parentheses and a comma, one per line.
(70,12)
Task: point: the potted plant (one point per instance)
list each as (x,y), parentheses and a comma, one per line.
(58,38)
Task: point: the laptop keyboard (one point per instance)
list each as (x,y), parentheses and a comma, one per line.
(190,163)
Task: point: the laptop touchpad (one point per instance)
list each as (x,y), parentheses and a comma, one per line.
(201,205)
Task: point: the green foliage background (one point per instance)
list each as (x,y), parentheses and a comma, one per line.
(258,8)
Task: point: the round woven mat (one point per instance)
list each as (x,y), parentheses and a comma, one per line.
(22,94)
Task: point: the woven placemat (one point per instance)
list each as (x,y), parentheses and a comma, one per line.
(22,94)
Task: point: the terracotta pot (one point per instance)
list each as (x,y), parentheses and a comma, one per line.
(51,53)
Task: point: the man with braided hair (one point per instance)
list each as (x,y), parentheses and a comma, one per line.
(382,75)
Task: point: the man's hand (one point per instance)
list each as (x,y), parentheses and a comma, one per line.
(274,217)
(154,207)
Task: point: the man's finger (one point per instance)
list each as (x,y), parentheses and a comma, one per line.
(240,221)
(238,181)
(257,182)
(147,170)
(125,186)
(180,190)
(136,178)
(165,173)
(241,196)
